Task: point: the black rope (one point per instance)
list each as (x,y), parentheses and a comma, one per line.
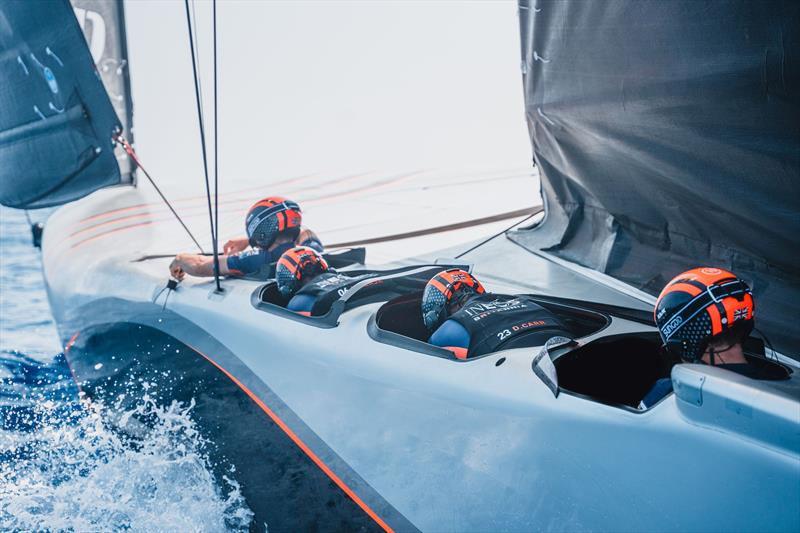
(165,287)
(166,299)
(216,153)
(202,142)
(768,345)
(130,151)
(497,234)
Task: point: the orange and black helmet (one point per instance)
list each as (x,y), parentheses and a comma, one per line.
(269,217)
(296,266)
(701,304)
(445,288)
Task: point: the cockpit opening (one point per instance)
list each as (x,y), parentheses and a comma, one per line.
(399,322)
(368,286)
(617,370)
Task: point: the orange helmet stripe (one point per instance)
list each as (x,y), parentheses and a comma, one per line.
(285,261)
(682,287)
(708,275)
(438,284)
(456,278)
(716,319)
(266,202)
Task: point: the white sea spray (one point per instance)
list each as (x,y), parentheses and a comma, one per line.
(70,465)
(88,473)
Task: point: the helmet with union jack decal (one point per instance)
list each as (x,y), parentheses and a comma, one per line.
(702,304)
(444,289)
(269,217)
(296,266)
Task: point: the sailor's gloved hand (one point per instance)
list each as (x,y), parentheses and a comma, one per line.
(234,246)
(176,269)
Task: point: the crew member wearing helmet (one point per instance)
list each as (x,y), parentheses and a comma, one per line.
(304,277)
(273,226)
(704,315)
(470,322)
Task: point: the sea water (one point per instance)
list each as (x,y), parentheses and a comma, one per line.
(68,463)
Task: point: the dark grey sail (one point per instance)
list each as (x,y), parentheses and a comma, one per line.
(103,25)
(56,120)
(667,135)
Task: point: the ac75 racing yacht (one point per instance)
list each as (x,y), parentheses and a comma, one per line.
(665,137)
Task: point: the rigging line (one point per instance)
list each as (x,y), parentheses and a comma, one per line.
(202,140)
(533,214)
(216,151)
(441,229)
(28,217)
(199,63)
(132,154)
(160,293)
(769,345)
(166,299)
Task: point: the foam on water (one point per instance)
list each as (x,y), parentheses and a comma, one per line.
(70,464)
(84,474)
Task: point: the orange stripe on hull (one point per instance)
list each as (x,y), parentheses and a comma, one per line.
(108,222)
(300,444)
(115,230)
(115,211)
(67,348)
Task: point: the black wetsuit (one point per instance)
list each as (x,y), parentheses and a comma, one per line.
(500,321)
(316,297)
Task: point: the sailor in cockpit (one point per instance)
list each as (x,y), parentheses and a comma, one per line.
(704,315)
(470,322)
(309,285)
(273,225)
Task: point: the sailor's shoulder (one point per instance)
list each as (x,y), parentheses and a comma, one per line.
(301,302)
(450,333)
